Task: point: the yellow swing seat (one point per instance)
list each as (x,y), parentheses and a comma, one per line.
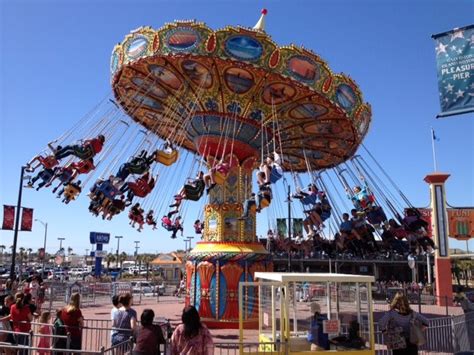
(264,203)
(71,192)
(167,158)
(219,178)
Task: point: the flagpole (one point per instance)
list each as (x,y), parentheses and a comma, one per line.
(434,150)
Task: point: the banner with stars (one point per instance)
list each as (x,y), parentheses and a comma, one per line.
(455,63)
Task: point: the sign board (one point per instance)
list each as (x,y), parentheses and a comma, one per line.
(461,223)
(99,238)
(100,253)
(332,326)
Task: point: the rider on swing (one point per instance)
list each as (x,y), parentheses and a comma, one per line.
(88,149)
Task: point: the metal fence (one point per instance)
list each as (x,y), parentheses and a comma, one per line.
(444,335)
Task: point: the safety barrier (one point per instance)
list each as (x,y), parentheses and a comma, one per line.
(444,335)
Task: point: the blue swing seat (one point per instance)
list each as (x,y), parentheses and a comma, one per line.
(275,175)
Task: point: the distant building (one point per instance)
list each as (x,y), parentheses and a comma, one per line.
(171,266)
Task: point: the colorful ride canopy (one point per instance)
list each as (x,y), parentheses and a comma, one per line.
(201,87)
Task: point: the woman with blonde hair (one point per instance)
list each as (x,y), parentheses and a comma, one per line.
(73,320)
(401,315)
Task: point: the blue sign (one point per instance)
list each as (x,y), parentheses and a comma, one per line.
(455,64)
(97,237)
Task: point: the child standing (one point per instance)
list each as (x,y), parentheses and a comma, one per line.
(45,329)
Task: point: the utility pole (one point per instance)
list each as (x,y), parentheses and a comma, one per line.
(118,237)
(289,227)
(17,223)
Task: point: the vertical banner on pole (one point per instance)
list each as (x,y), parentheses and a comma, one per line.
(8,217)
(455,66)
(26,219)
(297,226)
(281,227)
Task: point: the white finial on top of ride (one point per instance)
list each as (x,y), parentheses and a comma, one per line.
(260,25)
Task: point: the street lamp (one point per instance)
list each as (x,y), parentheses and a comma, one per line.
(186,241)
(45,225)
(61,243)
(136,250)
(17,223)
(118,237)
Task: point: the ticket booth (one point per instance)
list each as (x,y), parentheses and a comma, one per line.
(303,313)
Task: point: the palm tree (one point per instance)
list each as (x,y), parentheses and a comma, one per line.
(110,258)
(122,257)
(147,259)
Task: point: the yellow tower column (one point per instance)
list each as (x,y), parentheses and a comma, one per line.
(228,253)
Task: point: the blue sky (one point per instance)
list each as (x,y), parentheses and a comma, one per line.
(55,59)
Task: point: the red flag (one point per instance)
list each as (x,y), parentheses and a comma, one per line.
(26,219)
(8,217)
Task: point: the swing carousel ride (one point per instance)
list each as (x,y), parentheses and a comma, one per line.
(226,103)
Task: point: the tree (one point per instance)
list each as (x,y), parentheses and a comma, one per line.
(69,251)
(122,257)
(110,258)
(147,259)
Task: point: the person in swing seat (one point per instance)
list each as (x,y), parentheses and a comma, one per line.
(150,219)
(209,178)
(137,165)
(167,223)
(248,203)
(192,190)
(361,196)
(117,206)
(65,174)
(269,166)
(88,149)
(45,175)
(136,216)
(176,226)
(264,193)
(141,187)
(308,195)
(313,220)
(47,162)
(198,226)
(71,190)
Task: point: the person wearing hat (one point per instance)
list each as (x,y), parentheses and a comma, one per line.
(318,339)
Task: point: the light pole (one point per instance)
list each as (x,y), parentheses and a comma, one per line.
(118,237)
(17,222)
(186,241)
(45,225)
(289,227)
(136,250)
(61,243)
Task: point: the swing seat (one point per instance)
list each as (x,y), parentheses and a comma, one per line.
(309,200)
(71,192)
(167,158)
(219,178)
(325,215)
(264,202)
(275,175)
(192,193)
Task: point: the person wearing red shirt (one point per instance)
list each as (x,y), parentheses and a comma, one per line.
(21,317)
(86,150)
(72,318)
